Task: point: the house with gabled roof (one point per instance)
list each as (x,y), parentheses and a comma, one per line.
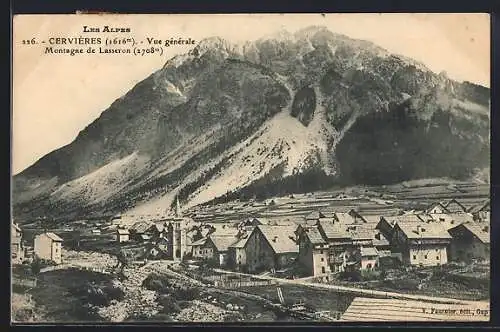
(470,241)
(436,208)
(200,249)
(451,220)
(387,223)
(214,248)
(220,246)
(48,246)
(418,243)
(249,223)
(369,258)
(349,217)
(271,247)
(237,257)
(482,211)
(454,206)
(315,215)
(313,251)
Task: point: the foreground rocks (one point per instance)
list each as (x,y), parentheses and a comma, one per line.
(201,311)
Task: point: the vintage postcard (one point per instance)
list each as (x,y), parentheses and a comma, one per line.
(251,168)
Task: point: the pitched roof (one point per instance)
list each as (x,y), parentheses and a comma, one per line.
(454,219)
(371,219)
(480,231)
(122,231)
(358,232)
(16,227)
(199,242)
(334,230)
(315,215)
(314,235)
(410,217)
(379,240)
(433,205)
(224,229)
(249,222)
(280,238)
(140,227)
(454,206)
(222,243)
(423,230)
(483,206)
(368,251)
(425,217)
(373,310)
(241,242)
(53,237)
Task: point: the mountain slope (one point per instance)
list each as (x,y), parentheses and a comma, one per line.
(223,117)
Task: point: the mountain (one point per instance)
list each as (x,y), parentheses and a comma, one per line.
(305,110)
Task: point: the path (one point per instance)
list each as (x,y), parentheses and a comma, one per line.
(359,291)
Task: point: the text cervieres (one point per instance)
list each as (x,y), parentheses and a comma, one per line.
(75,40)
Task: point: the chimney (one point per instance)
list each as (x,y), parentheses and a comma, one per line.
(486,229)
(275,238)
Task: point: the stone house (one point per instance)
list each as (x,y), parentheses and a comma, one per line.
(270,247)
(470,241)
(454,206)
(341,251)
(48,246)
(436,208)
(421,243)
(482,211)
(122,235)
(201,249)
(237,257)
(313,251)
(369,258)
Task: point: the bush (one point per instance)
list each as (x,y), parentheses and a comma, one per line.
(350,276)
(368,275)
(169,304)
(163,285)
(98,295)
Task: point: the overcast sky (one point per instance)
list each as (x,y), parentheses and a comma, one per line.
(56,96)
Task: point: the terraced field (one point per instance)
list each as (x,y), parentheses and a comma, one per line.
(375,201)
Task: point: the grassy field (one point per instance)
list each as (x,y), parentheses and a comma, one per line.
(60,296)
(430,282)
(317,299)
(368,200)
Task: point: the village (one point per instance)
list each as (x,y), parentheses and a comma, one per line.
(262,256)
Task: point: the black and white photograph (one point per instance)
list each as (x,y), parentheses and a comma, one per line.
(250,168)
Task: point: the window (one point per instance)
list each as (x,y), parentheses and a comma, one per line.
(437,258)
(322,259)
(425,256)
(414,256)
(321,252)
(323,269)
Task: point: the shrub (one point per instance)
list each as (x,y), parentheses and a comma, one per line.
(98,295)
(169,304)
(350,276)
(367,275)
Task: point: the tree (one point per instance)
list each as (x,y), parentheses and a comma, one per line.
(36,266)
